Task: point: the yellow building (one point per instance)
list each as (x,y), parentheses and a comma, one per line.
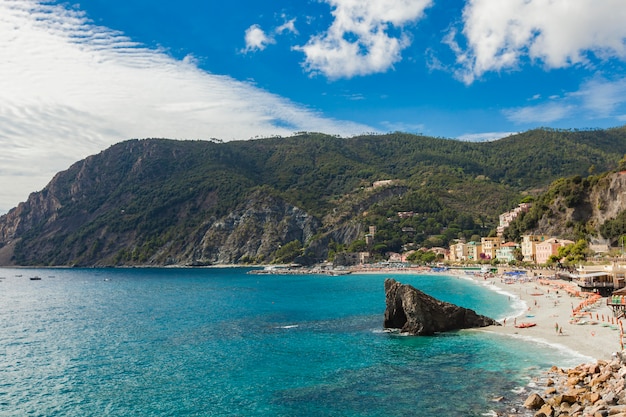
(529,246)
(490,245)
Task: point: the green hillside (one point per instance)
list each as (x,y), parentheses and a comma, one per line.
(156,201)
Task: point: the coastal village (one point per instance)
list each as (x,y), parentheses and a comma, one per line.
(536,252)
(587,305)
(579,309)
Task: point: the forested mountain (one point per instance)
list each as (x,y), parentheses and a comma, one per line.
(159,202)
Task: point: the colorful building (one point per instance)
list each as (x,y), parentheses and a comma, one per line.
(529,243)
(506,252)
(549,247)
(489,246)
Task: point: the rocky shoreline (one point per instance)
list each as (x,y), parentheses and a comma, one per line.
(588,390)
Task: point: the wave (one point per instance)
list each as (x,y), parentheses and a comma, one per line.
(518,305)
(288,326)
(570,356)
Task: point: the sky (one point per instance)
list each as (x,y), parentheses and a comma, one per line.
(78,77)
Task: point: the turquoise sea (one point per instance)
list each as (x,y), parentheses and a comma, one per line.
(221,342)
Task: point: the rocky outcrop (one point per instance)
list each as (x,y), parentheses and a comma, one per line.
(416,313)
(255,230)
(587,390)
(596,203)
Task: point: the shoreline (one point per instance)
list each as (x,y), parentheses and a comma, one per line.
(592,332)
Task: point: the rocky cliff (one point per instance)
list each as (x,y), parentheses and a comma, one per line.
(253,231)
(418,314)
(577,208)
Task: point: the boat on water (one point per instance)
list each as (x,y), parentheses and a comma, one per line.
(525,325)
(35,278)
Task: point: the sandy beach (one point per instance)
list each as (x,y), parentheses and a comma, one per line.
(593,332)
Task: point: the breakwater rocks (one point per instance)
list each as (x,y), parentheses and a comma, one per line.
(590,390)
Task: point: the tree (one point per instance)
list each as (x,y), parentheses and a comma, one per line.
(422,257)
(288,252)
(358,246)
(575,252)
(622,164)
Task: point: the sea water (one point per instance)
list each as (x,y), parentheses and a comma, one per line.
(222,342)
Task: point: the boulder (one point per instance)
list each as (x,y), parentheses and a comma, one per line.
(534,402)
(546,410)
(416,313)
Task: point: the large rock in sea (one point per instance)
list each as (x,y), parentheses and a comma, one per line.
(416,313)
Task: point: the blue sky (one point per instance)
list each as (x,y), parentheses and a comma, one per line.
(78,77)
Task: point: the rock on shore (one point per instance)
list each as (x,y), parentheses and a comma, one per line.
(593,390)
(416,313)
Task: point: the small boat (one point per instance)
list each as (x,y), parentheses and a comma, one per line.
(525,325)
(35,278)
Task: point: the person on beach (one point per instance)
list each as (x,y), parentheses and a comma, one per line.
(556,328)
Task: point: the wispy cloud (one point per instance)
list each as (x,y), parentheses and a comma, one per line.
(485,136)
(69,88)
(417,128)
(597,98)
(359,41)
(602,97)
(543,113)
(559,33)
(289,26)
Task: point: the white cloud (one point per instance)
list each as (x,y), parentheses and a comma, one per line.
(597,98)
(69,88)
(543,113)
(256,39)
(417,128)
(556,33)
(288,26)
(360,39)
(485,136)
(602,97)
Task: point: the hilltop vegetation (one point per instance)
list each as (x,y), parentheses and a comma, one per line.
(576,208)
(158,201)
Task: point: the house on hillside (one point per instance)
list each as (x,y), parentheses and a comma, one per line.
(440,252)
(529,243)
(505,219)
(383,183)
(395,257)
(506,252)
(474,250)
(458,252)
(489,246)
(549,247)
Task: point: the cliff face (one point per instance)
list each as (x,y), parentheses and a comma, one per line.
(253,232)
(608,199)
(601,201)
(159,202)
